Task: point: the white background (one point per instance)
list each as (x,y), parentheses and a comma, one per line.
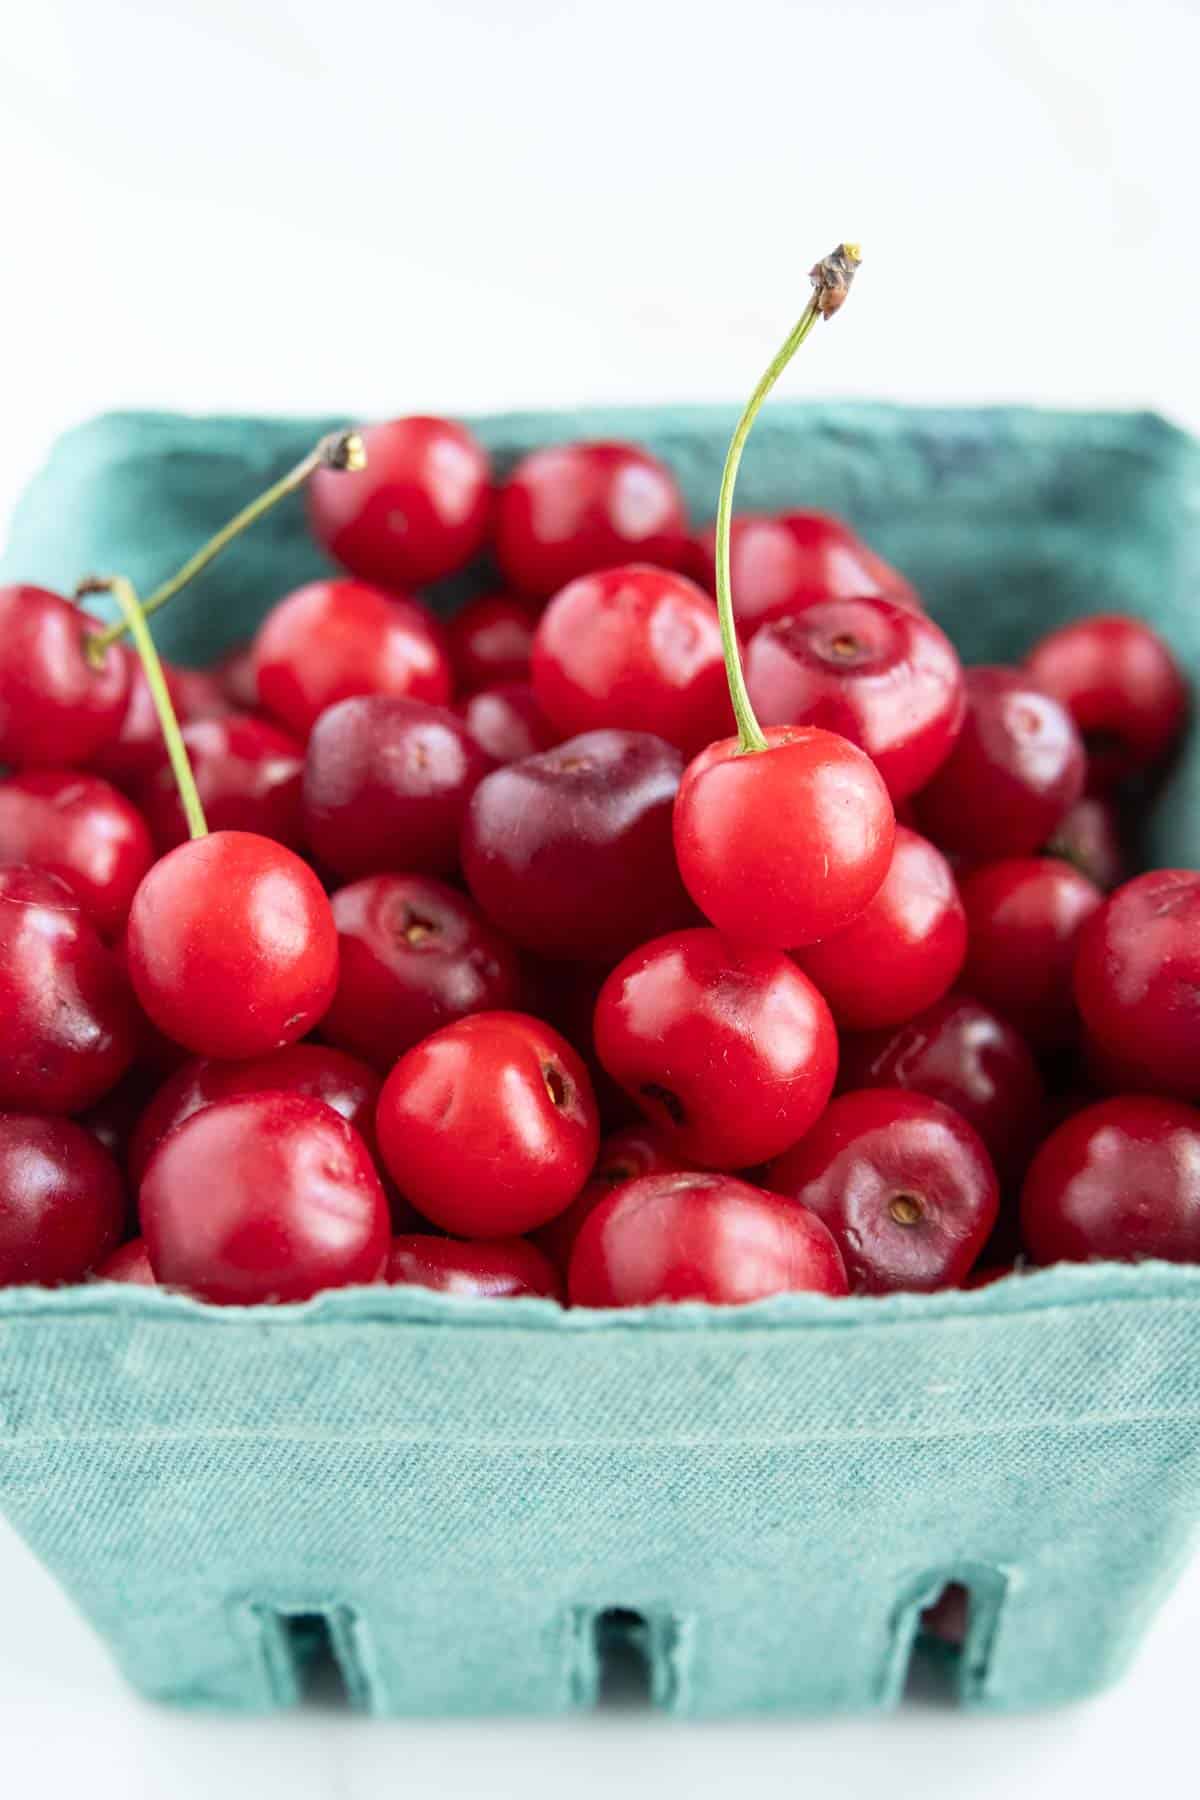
(473,204)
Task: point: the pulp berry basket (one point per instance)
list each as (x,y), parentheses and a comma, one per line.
(466,1496)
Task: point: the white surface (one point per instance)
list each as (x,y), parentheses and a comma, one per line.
(470,204)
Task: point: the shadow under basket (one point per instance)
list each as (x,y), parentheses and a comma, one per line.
(472,1507)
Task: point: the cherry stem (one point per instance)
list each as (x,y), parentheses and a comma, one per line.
(134,620)
(342,450)
(831,279)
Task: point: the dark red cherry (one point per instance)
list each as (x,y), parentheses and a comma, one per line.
(496,1269)
(623,1156)
(673,1237)
(129,1263)
(1137,978)
(507,722)
(572,508)
(1122,687)
(793,559)
(904,1184)
(386,786)
(55,708)
(82,830)
(62,1201)
(1091,840)
(570,852)
(417,511)
(1024,915)
(490,640)
(247,774)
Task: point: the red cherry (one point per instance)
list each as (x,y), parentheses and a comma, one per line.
(1024,915)
(55,709)
(1122,687)
(112,1119)
(201,696)
(62,1203)
(879,673)
(263,1197)
(1119,1180)
(70,1024)
(572,508)
(673,1237)
(985,1276)
(962,1054)
(130,1264)
(1014,773)
(1090,839)
(334,639)
(623,1156)
(565,994)
(632,646)
(314,1070)
(417,511)
(497,1269)
(729,1050)
(83,831)
(235,673)
(783,846)
(904,1184)
(507,722)
(489,1126)
(231,946)
(780,563)
(248,775)
(490,641)
(138,746)
(386,786)
(570,852)
(1137,975)
(413,955)
(904,950)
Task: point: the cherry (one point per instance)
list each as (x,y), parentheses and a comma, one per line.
(70,1029)
(386,786)
(231,945)
(247,774)
(235,673)
(497,1269)
(964,1055)
(1119,1180)
(507,722)
(785,845)
(569,509)
(314,1070)
(413,955)
(986,1275)
(904,1184)
(1014,773)
(55,707)
(729,1050)
(1137,975)
(1024,915)
(62,1203)
(114,1117)
(489,1126)
(904,950)
(1122,687)
(631,646)
(417,511)
(79,828)
(673,1237)
(129,1263)
(1090,839)
(137,749)
(623,1156)
(565,994)
(490,641)
(570,852)
(201,695)
(263,1197)
(334,639)
(879,673)
(779,563)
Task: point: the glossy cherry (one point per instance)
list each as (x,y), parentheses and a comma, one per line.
(1016,770)
(1137,976)
(386,786)
(413,955)
(783,846)
(137,749)
(1123,688)
(788,560)
(417,511)
(570,852)
(674,1237)
(904,1184)
(729,1050)
(623,1156)
(490,641)
(1090,838)
(507,722)
(879,673)
(263,1197)
(569,509)
(489,1126)
(55,708)
(1119,1180)
(62,1201)
(334,639)
(630,647)
(1024,915)
(904,950)
(231,946)
(248,775)
(81,829)
(129,1264)
(235,673)
(496,1269)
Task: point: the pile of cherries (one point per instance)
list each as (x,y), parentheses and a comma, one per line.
(511,964)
